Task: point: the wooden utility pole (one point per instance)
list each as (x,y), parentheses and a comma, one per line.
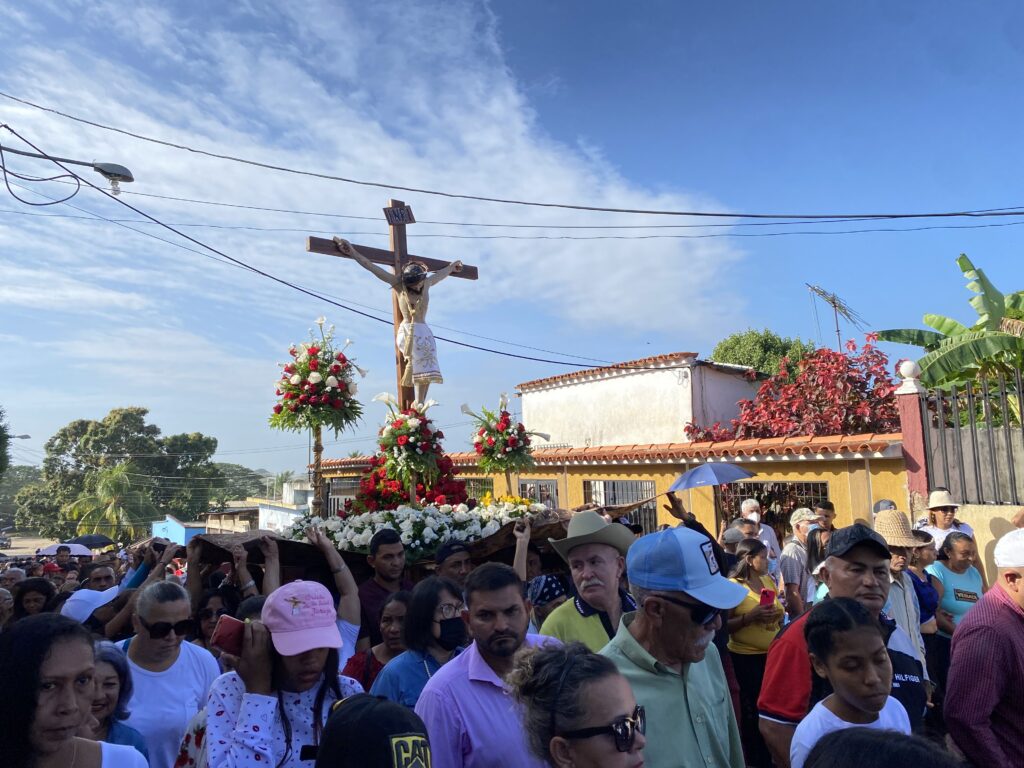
(397,214)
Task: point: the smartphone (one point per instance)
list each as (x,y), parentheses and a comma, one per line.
(228,635)
(767,597)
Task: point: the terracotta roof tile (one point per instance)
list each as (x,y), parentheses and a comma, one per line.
(673,452)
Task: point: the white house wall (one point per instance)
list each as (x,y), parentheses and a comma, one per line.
(717,393)
(641,407)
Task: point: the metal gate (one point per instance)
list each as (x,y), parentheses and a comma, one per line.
(974,441)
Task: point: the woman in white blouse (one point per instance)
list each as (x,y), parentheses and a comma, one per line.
(271,712)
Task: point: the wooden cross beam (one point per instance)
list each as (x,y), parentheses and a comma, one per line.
(397,215)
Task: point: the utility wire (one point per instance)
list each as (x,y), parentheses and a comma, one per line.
(506,201)
(305,291)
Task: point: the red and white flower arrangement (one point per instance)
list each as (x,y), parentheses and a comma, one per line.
(501,445)
(317,388)
(409,442)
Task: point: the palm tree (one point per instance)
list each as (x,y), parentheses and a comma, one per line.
(956,353)
(119,506)
(280,479)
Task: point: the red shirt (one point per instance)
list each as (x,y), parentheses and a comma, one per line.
(984,703)
(363,667)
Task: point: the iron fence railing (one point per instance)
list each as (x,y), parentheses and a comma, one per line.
(974,439)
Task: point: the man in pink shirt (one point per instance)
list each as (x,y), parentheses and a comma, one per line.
(984,704)
(471,719)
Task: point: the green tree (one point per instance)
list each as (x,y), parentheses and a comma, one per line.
(119,506)
(36,510)
(955,352)
(761,350)
(13,480)
(280,479)
(236,482)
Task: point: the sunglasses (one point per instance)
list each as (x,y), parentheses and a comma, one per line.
(701,613)
(208,613)
(162,629)
(623,730)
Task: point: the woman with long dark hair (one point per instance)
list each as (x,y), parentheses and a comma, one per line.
(753,625)
(434,631)
(47,672)
(32,596)
(272,710)
(366,665)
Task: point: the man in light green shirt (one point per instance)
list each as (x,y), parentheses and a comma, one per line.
(664,649)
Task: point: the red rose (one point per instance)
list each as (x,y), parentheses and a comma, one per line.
(277,392)
(403,439)
(442,499)
(503,426)
(314,364)
(288,368)
(288,395)
(313,351)
(439,435)
(520,427)
(481,433)
(512,442)
(490,441)
(479,448)
(293,408)
(397,424)
(339,357)
(526,441)
(303,398)
(278,408)
(336,403)
(293,351)
(314,400)
(335,368)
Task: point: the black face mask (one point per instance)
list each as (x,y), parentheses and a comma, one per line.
(453,633)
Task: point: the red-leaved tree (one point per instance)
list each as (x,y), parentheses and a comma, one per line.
(833,393)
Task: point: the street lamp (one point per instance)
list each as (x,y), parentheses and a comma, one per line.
(112,172)
(22,437)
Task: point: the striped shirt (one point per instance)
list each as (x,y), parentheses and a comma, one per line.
(985,697)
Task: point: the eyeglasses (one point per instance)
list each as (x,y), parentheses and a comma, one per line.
(162,629)
(449,610)
(623,729)
(208,613)
(701,613)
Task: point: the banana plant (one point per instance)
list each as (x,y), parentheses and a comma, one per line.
(956,353)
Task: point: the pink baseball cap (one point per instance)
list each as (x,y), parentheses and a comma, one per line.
(301,616)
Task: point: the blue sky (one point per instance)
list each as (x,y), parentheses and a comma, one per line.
(802,108)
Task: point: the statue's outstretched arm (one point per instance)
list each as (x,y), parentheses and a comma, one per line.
(348,249)
(441,274)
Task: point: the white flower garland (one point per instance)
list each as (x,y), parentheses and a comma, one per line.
(421,530)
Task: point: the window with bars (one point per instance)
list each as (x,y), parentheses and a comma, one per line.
(544,491)
(344,486)
(777,500)
(609,493)
(476,487)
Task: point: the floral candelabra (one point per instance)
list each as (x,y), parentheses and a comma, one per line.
(500,445)
(317,389)
(410,444)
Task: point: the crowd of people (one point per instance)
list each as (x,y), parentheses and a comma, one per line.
(862,645)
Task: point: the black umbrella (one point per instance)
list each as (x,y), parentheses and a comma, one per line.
(92,541)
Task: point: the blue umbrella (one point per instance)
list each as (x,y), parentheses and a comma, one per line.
(710,474)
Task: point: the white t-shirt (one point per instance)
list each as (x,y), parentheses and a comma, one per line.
(821,720)
(120,756)
(163,703)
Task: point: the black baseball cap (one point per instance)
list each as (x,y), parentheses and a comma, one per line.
(845,539)
(449,548)
(367,731)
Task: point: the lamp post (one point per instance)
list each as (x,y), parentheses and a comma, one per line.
(112,172)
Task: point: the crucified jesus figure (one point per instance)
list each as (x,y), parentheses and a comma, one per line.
(414,339)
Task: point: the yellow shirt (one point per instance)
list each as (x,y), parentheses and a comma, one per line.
(756,636)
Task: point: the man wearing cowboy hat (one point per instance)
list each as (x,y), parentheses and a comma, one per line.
(595,550)
(903,606)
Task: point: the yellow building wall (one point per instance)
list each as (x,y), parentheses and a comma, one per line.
(854,485)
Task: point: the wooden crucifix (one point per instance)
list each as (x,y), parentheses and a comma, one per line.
(415,349)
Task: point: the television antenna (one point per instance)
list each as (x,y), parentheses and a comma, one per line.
(839,309)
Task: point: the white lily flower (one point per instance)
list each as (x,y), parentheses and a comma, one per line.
(321,320)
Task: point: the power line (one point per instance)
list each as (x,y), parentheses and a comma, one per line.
(506,201)
(300,289)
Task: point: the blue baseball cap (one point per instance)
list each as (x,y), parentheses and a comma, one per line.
(681,560)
